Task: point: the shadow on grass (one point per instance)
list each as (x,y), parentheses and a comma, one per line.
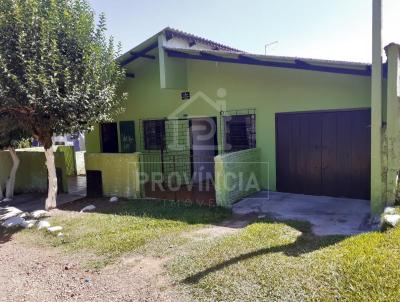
(305,243)
(153,208)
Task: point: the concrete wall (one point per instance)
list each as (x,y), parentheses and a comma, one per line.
(120,173)
(237,175)
(32,172)
(219,86)
(391,148)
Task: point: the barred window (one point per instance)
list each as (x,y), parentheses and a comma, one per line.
(154,134)
(240,132)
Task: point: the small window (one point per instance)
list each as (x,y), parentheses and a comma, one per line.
(240,132)
(154,134)
(127,135)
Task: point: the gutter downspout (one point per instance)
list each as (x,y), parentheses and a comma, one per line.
(377,203)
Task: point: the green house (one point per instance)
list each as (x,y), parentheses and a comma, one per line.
(202,111)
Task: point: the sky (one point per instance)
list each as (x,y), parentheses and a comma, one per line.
(321,29)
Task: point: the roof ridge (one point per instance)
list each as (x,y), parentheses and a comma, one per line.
(181,33)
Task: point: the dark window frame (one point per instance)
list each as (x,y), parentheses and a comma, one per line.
(240,132)
(121,124)
(102,140)
(154,134)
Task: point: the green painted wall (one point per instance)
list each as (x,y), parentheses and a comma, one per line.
(214,85)
(237,175)
(70,159)
(172,70)
(32,172)
(119,173)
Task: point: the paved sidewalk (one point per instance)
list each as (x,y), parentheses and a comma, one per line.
(328,215)
(36,201)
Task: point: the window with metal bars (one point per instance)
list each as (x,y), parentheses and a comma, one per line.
(154,134)
(240,132)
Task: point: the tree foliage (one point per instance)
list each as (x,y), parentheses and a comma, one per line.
(13,133)
(58,72)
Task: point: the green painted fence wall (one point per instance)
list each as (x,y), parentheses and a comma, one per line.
(120,173)
(32,172)
(237,175)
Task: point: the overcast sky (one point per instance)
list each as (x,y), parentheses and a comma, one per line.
(326,29)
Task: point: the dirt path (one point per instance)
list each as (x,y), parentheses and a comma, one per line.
(47,274)
(41,274)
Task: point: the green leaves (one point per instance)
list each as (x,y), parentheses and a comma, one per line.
(55,61)
(13,133)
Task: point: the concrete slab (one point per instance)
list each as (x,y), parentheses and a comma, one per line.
(36,201)
(328,215)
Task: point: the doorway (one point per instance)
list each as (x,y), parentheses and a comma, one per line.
(324,153)
(109,137)
(204,147)
(180,166)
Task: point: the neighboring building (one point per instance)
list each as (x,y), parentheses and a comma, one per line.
(75,140)
(190,99)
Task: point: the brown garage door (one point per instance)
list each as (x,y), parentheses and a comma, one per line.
(324,153)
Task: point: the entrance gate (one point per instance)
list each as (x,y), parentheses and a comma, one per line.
(183,168)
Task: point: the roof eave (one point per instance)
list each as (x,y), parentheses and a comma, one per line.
(350,68)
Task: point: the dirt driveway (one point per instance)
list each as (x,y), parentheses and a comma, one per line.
(39,273)
(32,274)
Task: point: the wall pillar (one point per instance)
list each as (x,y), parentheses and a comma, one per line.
(393,121)
(376,110)
(173,71)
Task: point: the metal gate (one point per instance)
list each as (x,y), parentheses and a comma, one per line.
(169,173)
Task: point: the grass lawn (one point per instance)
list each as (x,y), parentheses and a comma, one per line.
(126,226)
(266,261)
(270,261)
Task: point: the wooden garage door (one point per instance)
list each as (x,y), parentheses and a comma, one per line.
(324,153)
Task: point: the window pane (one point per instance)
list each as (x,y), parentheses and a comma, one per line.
(127,134)
(154,134)
(240,132)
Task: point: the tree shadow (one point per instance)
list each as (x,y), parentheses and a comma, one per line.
(307,242)
(6,234)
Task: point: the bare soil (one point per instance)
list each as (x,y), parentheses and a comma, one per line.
(39,273)
(46,274)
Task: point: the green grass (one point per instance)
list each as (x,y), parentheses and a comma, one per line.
(266,261)
(270,261)
(127,227)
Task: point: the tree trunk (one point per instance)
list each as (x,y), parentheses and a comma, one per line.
(1,192)
(51,201)
(13,173)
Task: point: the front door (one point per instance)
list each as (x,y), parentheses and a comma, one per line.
(324,153)
(204,147)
